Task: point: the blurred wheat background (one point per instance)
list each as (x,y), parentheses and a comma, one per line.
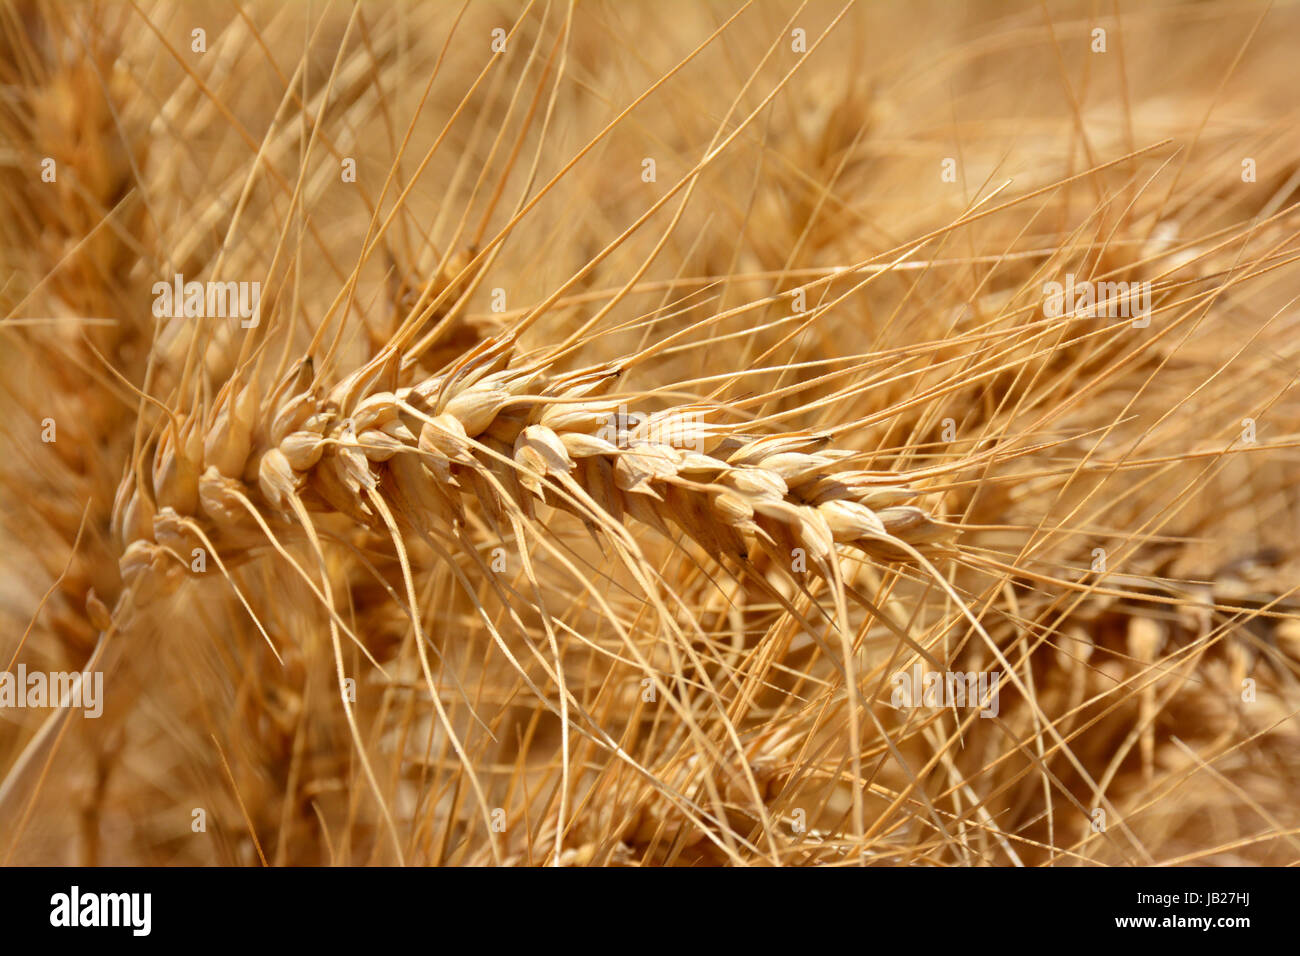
(824,220)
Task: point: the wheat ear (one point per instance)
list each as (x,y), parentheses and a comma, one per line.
(511,438)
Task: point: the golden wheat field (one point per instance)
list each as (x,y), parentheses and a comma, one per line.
(649,434)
